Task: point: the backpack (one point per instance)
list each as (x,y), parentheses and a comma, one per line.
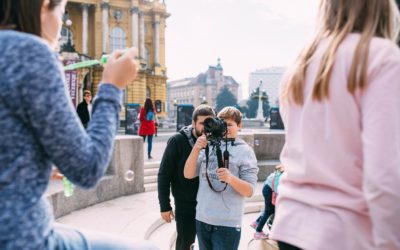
(150,116)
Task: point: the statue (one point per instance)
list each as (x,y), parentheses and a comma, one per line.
(260,115)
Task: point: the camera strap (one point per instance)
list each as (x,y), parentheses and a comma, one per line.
(208,178)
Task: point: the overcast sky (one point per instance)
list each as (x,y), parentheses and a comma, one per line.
(246,35)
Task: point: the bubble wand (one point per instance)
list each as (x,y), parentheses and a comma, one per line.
(103,60)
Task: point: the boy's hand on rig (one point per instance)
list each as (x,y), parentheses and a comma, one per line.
(224,175)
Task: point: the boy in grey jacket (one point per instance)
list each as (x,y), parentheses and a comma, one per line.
(219,210)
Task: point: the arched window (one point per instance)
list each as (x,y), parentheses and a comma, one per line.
(117,39)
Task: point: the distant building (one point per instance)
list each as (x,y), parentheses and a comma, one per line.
(271,78)
(200,89)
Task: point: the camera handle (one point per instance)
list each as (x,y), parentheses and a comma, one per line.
(226,159)
(219,157)
(220,163)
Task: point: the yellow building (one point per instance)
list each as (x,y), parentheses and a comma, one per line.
(98,27)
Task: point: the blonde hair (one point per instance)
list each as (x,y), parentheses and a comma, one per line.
(338,18)
(231,113)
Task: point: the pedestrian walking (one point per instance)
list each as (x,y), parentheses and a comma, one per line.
(147,128)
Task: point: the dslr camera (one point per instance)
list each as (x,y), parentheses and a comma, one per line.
(215,129)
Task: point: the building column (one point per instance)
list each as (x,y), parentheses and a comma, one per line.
(85,27)
(157,43)
(105,7)
(135,26)
(141,35)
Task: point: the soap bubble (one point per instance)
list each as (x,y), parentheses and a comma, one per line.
(257,142)
(129,175)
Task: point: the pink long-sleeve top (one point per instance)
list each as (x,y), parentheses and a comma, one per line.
(341,188)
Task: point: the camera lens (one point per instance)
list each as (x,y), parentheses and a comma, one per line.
(215,129)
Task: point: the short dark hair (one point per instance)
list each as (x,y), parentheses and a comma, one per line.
(202,110)
(23,15)
(86,92)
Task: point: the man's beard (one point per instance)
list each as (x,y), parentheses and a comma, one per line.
(198,132)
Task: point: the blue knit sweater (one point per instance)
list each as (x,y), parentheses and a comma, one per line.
(39,127)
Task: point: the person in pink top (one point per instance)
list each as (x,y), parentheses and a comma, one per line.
(340,104)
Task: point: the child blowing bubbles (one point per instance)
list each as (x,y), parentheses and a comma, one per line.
(218,222)
(43,129)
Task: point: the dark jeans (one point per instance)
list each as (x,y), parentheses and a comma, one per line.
(269,208)
(285,246)
(185,227)
(149,143)
(212,237)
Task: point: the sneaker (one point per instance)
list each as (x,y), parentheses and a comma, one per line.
(150,157)
(260,236)
(254,224)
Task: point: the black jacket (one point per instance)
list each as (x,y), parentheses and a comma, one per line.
(83,113)
(170,175)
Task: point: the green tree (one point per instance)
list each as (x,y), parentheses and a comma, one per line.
(252,104)
(225,98)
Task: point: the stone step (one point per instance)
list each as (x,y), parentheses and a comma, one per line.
(164,235)
(254,207)
(150,187)
(152,164)
(150,179)
(150,171)
(256,197)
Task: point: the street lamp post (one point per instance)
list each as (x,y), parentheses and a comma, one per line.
(175,104)
(68,46)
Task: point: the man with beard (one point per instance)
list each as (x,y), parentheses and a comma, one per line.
(170,176)
(84,108)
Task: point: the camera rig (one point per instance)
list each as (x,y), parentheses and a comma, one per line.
(215,129)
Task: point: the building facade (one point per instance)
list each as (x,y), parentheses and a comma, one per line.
(99,27)
(271,78)
(203,88)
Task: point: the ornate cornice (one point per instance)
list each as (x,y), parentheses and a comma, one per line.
(134,10)
(104,5)
(85,5)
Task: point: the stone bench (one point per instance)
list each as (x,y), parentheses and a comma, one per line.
(127,155)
